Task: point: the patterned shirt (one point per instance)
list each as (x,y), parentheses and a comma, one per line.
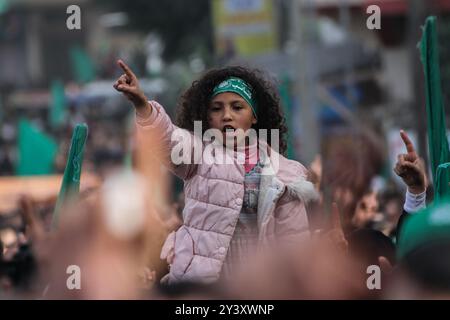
(245,238)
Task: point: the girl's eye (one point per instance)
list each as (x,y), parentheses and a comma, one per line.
(237,107)
(215,108)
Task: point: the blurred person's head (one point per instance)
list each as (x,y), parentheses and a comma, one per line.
(349,164)
(366,210)
(368,245)
(392,205)
(391,208)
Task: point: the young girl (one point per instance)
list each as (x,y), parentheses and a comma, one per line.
(233,207)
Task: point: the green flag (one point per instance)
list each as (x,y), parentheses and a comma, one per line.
(442,184)
(437,138)
(37,151)
(70,185)
(82,65)
(58,106)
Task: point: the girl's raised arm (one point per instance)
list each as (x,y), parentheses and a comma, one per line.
(152,121)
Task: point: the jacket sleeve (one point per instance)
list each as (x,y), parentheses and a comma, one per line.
(291,219)
(169,142)
(291,222)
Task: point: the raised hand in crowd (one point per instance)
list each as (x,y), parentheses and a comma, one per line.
(411,168)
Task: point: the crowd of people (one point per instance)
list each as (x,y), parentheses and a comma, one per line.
(239,230)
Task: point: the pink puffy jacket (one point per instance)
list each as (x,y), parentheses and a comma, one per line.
(213,201)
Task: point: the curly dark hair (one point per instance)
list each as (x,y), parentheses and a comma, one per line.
(193,105)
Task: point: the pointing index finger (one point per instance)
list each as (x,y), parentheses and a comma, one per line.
(408,144)
(126,69)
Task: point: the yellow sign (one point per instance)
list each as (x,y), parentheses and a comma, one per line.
(244,27)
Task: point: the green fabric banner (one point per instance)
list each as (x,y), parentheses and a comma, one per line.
(437,138)
(70,185)
(37,151)
(442,183)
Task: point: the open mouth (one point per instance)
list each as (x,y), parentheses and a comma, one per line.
(228,129)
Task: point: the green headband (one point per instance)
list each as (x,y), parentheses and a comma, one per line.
(238,86)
